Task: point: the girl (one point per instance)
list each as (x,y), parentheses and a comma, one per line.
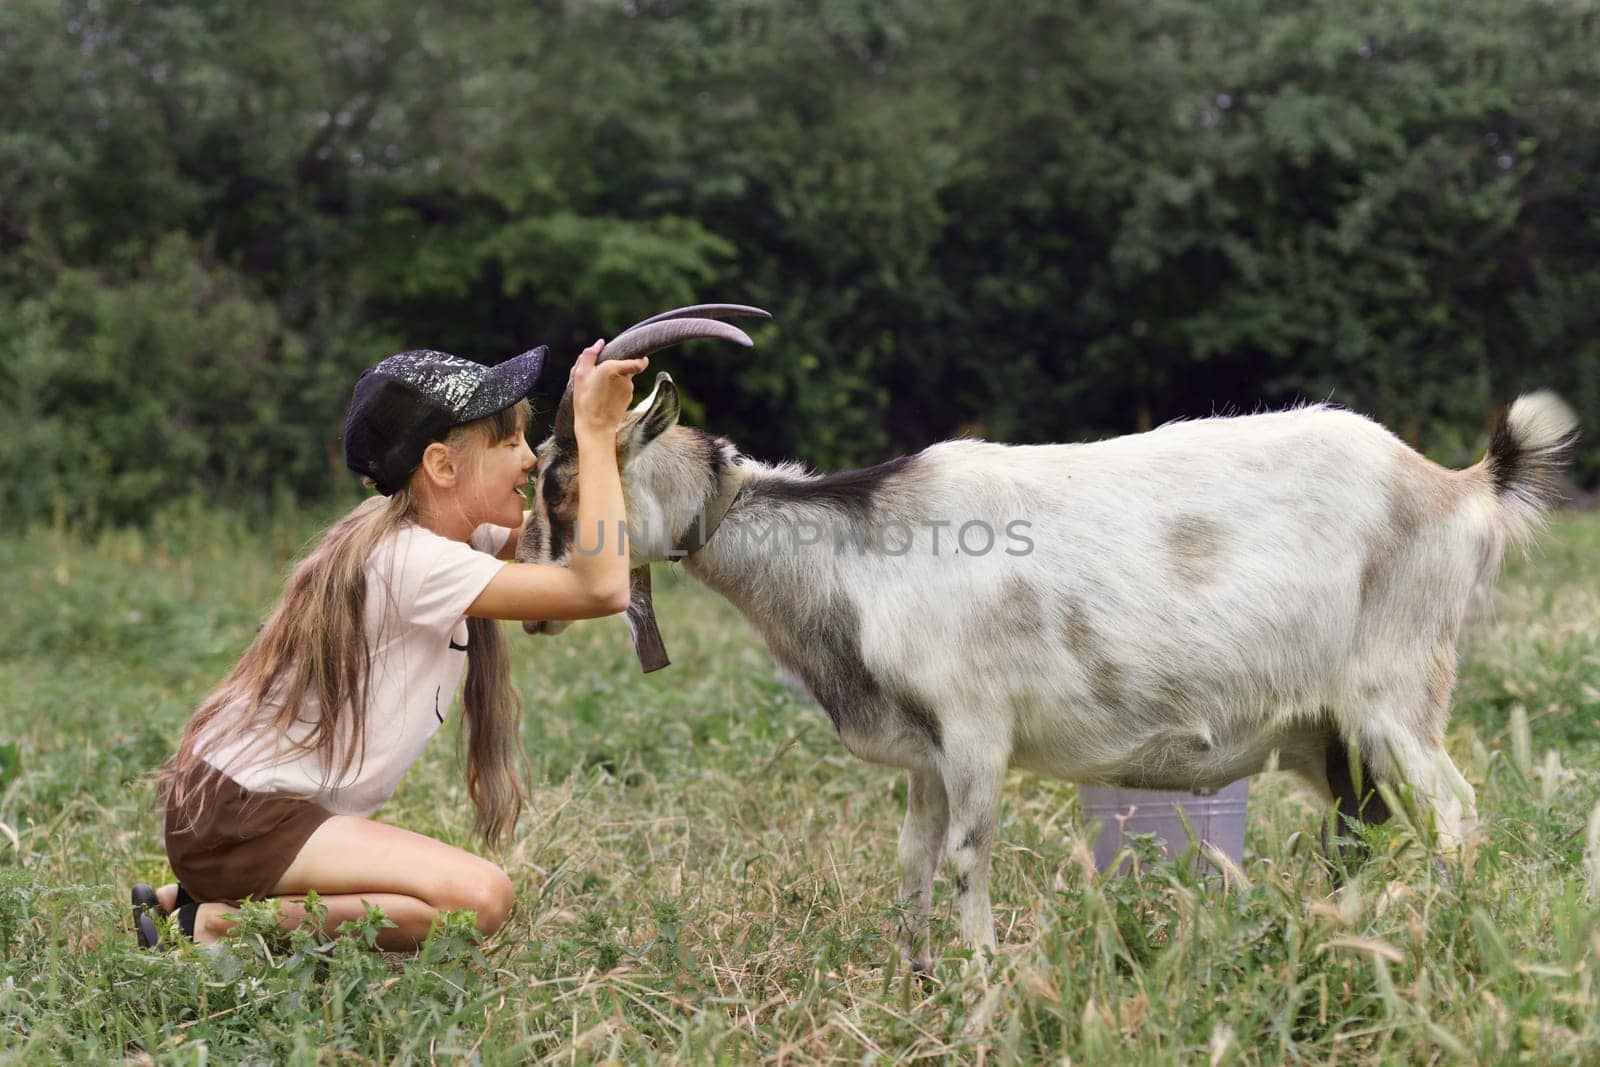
(273,787)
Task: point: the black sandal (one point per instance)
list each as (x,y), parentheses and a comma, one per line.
(145,902)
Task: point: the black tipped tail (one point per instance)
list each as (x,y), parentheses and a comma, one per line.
(1531,446)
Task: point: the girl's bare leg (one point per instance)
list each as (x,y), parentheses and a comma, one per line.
(214,920)
(412,917)
(350,861)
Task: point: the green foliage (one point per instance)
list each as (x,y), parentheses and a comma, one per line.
(1036,221)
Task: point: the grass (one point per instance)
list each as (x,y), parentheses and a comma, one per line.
(704,875)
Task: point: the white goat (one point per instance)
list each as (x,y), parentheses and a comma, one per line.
(1164,610)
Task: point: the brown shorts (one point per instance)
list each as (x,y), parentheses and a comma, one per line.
(240,841)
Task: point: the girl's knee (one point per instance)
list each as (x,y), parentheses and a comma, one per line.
(485,891)
(500,895)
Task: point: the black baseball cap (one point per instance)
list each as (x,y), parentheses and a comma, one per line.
(414,398)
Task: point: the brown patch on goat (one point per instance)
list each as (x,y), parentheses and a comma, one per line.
(1105,679)
(1076,634)
(1419,493)
(1026,609)
(555,504)
(1193,542)
(1016,612)
(1371,692)
(1081,639)
(558,488)
(1173,693)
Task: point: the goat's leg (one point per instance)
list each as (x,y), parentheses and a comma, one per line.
(1397,754)
(1457,781)
(1352,789)
(1460,816)
(1400,734)
(973,783)
(921,843)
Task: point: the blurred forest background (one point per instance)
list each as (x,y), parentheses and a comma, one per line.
(1032,219)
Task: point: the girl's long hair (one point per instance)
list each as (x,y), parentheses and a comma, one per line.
(315,646)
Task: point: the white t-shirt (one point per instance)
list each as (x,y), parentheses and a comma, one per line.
(419,586)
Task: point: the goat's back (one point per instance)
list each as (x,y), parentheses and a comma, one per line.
(1240,574)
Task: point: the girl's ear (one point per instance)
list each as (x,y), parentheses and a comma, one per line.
(439,465)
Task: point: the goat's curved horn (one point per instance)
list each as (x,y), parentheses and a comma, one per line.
(652,336)
(643,340)
(705,311)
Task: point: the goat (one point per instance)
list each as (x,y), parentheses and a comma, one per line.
(1163,610)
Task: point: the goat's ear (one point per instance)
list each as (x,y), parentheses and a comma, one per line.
(657,413)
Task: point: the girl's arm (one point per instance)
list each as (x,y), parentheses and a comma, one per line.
(595,584)
(509,549)
(538,592)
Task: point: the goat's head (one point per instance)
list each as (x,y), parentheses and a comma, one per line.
(669,474)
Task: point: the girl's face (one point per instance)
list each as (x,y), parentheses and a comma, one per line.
(476,474)
(492,485)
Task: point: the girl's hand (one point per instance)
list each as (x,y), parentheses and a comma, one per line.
(601,392)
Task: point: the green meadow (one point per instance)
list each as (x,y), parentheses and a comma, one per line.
(704,874)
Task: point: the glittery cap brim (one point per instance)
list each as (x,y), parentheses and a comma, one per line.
(505,384)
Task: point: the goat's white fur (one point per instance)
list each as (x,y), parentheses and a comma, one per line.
(1196,598)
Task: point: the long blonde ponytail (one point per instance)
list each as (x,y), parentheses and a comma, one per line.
(493,735)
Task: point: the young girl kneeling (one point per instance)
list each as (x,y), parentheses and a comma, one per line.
(273,787)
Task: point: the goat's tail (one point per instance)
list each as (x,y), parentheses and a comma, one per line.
(1531,446)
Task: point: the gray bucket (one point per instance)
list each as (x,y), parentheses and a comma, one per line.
(1216,816)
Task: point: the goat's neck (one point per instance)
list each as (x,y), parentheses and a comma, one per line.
(754,559)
